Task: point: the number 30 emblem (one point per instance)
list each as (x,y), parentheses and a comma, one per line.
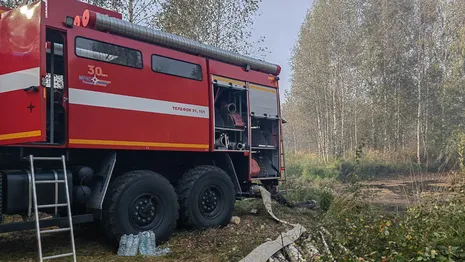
(95,70)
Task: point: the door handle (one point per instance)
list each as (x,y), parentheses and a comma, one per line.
(31,89)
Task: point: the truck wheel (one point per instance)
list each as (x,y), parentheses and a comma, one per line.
(206,197)
(139,201)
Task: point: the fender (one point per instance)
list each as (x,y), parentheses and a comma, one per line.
(225,162)
(99,189)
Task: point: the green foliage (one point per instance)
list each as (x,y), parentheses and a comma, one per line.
(226,24)
(304,189)
(326,198)
(15,3)
(361,168)
(367,169)
(310,167)
(432,231)
(389,73)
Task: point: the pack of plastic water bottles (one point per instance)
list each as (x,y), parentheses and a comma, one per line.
(143,243)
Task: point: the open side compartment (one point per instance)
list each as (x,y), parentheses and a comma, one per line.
(231,115)
(265,147)
(265,132)
(55,86)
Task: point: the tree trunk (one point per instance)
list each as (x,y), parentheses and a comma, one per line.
(334,142)
(418,120)
(342,113)
(131,11)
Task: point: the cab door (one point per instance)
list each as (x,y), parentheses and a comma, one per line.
(22,97)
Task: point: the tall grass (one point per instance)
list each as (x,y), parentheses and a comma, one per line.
(370,165)
(310,166)
(432,228)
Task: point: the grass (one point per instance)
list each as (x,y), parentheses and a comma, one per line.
(367,166)
(230,243)
(431,228)
(428,231)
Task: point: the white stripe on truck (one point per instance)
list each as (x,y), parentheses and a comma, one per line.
(19,80)
(107,100)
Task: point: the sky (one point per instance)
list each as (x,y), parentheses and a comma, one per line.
(279,22)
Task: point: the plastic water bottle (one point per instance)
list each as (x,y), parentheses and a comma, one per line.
(143,243)
(152,243)
(162,251)
(134,245)
(129,244)
(122,245)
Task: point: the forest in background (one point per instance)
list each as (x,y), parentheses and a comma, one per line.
(374,75)
(382,76)
(377,76)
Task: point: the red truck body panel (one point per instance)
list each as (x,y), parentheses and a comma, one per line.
(22,113)
(130,109)
(139,108)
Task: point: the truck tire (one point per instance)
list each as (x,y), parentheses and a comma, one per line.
(206,197)
(139,201)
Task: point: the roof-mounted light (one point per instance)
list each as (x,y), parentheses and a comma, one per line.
(69,21)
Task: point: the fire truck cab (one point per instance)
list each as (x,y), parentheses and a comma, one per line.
(153,129)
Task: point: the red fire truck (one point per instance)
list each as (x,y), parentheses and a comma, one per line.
(130,126)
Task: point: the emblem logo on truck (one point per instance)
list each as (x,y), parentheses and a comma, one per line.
(92,78)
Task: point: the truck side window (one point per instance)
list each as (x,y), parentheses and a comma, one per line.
(109,53)
(175,67)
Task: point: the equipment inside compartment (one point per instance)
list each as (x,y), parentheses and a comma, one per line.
(231,119)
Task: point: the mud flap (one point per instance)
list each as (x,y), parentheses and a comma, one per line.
(99,189)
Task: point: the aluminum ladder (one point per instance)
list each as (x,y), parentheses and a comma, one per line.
(56,206)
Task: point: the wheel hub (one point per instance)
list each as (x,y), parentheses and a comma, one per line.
(143,211)
(210,201)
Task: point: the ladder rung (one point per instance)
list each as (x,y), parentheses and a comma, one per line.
(52,205)
(58,256)
(49,181)
(55,230)
(47,158)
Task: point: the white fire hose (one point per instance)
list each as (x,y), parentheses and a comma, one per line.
(266,250)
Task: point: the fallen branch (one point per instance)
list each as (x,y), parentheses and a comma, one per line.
(326,247)
(342,247)
(309,249)
(280,257)
(293,253)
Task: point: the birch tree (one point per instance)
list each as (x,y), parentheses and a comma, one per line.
(226,24)
(386,73)
(135,11)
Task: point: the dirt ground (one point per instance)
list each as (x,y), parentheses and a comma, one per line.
(231,243)
(396,192)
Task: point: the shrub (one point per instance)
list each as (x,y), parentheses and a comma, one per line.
(326,198)
(432,231)
(310,166)
(366,167)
